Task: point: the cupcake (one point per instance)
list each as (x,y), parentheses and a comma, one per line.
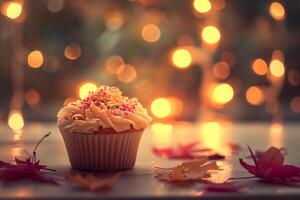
(102,132)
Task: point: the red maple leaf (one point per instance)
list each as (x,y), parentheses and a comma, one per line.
(187,151)
(270,167)
(25,169)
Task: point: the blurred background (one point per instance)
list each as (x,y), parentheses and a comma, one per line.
(192,60)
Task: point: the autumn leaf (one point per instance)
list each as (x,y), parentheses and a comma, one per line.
(193,171)
(270,167)
(91,182)
(29,168)
(187,151)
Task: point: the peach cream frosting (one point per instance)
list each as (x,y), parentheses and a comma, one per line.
(106,108)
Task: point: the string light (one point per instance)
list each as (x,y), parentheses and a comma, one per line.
(222,94)
(15,120)
(112,63)
(221,70)
(114,20)
(151,33)
(161,107)
(182,58)
(161,134)
(295,104)
(211,35)
(35,59)
(260,67)
(32,97)
(126,73)
(277,68)
(254,95)
(277,11)
(202,6)
(11,10)
(72,51)
(85,88)
(176,106)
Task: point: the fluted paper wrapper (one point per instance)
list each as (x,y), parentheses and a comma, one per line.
(102,152)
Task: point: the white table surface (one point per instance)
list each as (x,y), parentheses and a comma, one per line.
(140,182)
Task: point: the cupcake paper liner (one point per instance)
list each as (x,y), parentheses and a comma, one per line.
(102,152)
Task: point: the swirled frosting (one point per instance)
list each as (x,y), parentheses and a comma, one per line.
(106,108)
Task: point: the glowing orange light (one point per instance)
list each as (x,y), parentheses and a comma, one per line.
(85,88)
(182,58)
(32,97)
(211,135)
(72,51)
(35,59)
(277,11)
(211,34)
(295,104)
(294,78)
(161,107)
(277,68)
(276,128)
(151,33)
(161,134)
(15,120)
(126,73)
(260,67)
(176,106)
(222,94)
(221,70)
(278,55)
(11,10)
(114,21)
(202,6)
(112,64)
(55,5)
(254,95)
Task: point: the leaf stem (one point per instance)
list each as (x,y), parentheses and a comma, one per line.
(37,145)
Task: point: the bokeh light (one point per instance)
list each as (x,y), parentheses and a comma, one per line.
(294,77)
(32,97)
(35,59)
(295,104)
(277,11)
(15,120)
(182,58)
(114,21)
(202,6)
(176,106)
(85,88)
(72,51)
(161,134)
(211,34)
(112,63)
(161,107)
(277,68)
(221,70)
(260,67)
(55,5)
(126,73)
(11,10)
(151,33)
(254,95)
(222,94)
